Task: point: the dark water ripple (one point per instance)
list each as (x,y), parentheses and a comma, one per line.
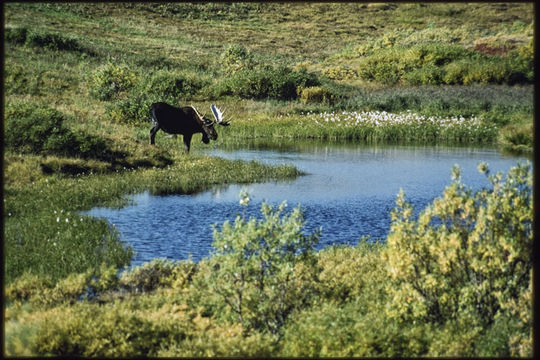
(349,192)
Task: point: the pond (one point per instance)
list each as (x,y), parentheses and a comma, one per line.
(348,192)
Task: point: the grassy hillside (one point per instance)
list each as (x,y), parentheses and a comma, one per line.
(106,63)
(78,81)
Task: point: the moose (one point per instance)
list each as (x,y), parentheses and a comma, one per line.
(185,121)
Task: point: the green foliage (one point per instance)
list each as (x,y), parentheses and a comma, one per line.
(35,129)
(517,138)
(134,110)
(53,41)
(39,129)
(264,267)
(466,258)
(315,94)
(340,72)
(275,83)
(112,81)
(16,35)
(236,58)
(149,276)
(172,85)
(438,63)
(46,40)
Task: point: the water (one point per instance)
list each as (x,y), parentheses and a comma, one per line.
(349,192)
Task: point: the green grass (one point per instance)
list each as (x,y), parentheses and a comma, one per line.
(44,234)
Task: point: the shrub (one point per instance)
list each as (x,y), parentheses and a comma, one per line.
(37,129)
(433,63)
(171,85)
(275,83)
(517,138)
(133,110)
(149,276)
(316,94)
(340,73)
(265,267)
(112,81)
(16,35)
(466,258)
(427,75)
(53,41)
(236,58)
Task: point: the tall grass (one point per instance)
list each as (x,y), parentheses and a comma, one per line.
(367,127)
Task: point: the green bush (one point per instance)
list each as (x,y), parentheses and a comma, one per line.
(433,63)
(266,267)
(53,41)
(37,129)
(149,276)
(340,73)
(133,110)
(236,58)
(274,83)
(517,138)
(16,35)
(427,75)
(112,81)
(316,94)
(172,85)
(465,260)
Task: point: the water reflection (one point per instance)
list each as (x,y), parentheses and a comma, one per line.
(349,191)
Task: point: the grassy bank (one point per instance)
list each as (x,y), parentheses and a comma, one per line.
(45,235)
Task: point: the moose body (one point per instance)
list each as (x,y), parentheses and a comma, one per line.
(185,121)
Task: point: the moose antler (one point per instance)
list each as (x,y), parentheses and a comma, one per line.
(218,114)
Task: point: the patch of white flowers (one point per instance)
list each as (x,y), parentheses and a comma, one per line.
(383,118)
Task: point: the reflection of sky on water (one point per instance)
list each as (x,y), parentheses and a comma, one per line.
(349,191)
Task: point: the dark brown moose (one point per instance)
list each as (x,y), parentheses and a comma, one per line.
(185,120)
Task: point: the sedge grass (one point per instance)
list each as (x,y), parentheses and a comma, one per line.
(45,235)
(370,126)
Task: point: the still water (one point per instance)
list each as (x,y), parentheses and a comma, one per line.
(348,192)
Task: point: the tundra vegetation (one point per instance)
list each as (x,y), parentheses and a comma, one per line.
(78,82)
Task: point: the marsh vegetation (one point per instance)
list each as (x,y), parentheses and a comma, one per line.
(78,81)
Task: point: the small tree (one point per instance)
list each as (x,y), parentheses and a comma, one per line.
(266,266)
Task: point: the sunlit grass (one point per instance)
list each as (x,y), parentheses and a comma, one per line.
(45,235)
(368,126)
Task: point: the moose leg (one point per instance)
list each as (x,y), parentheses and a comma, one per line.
(187,141)
(153,132)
